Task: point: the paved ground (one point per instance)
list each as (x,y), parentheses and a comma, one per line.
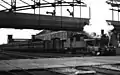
(43,55)
(56,62)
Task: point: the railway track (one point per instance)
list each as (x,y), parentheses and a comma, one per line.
(113,69)
(9,56)
(46,55)
(5,57)
(108,69)
(78,70)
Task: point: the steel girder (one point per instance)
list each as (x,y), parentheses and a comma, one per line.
(34,21)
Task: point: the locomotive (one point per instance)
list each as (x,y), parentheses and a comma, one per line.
(75,43)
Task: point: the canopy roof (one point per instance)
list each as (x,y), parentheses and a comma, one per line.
(114,0)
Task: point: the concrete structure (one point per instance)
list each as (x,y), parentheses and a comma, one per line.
(57,34)
(63,35)
(34,21)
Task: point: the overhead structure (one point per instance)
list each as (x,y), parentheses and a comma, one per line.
(10,18)
(32,21)
(114,3)
(39,4)
(116,24)
(114,0)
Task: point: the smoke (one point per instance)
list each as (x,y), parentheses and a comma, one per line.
(99,14)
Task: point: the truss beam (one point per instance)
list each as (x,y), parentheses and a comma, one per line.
(42,5)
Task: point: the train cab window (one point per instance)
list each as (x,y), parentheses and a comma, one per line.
(71,39)
(77,37)
(90,43)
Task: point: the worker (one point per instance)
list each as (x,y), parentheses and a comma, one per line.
(104,39)
(114,39)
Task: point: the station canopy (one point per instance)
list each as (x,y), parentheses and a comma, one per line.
(46,15)
(114,0)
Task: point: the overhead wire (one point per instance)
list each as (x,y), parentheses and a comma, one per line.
(80,13)
(11,4)
(54,11)
(89,12)
(61,17)
(73,9)
(6,2)
(3,6)
(118,10)
(61,14)
(45,1)
(15,4)
(80,8)
(112,12)
(25,2)
(39,13)
(34,5)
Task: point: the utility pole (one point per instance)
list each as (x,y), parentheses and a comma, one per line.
(112,12)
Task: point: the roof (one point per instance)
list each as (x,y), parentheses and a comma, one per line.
(44,32)
(114,0)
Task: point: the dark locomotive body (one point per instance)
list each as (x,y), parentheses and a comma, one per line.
(76,43)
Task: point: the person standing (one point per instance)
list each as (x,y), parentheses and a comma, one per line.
(114,39)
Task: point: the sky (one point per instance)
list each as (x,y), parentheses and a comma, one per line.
(99,13)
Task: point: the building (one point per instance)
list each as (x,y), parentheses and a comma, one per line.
(63,35)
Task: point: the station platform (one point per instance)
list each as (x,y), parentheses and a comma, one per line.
(45,63)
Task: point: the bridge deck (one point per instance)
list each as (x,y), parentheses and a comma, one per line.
(34,21)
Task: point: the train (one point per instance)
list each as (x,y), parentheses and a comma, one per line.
(62,42)
(76,44)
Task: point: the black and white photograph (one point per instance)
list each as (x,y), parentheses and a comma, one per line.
(59,37)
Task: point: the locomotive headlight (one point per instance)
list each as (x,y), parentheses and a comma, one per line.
(98,53)
(108,49)
(65,48)
(114,47)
